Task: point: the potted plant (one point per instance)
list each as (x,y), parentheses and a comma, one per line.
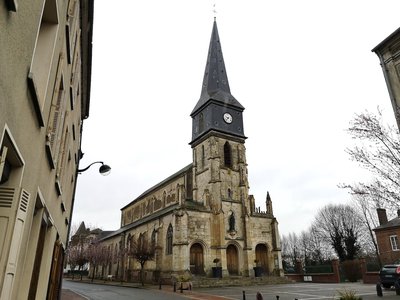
(182,281)
(216,271)
(258,270)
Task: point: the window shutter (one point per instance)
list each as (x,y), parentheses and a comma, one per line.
(7,195)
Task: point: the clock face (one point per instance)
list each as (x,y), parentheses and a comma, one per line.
(228,118)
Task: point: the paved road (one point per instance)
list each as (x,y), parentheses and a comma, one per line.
(110,292)
(300,291)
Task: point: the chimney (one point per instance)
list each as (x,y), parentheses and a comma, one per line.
(382,216)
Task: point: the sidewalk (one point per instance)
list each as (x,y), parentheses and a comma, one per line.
(70,295)
(67,294)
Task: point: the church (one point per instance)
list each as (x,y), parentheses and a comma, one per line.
(203,215)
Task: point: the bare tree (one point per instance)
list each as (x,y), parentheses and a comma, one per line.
(307,247)
(290,250)
(313,248)
(97,254)
(80,239)
(365,205)
(72,256)
(142,251)
(77,257)
(341,227)
(377,150)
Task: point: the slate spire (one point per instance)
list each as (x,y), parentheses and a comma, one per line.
(215,83)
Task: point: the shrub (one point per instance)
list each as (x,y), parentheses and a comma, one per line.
(348,295)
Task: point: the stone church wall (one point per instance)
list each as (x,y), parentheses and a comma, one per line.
(155,201)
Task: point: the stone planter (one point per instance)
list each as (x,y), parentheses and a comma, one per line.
(217,272)
(258,271)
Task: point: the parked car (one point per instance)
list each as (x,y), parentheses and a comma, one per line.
(389,274)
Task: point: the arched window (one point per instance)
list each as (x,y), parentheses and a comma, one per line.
(227,155)
(170,233)
(202,156)
(153,239)
(232,222)
(116,252)
(128,242)
(141,241)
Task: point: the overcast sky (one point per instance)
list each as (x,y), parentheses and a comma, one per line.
(301,69)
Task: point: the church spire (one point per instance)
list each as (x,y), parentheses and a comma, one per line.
(217,112)
(215,83)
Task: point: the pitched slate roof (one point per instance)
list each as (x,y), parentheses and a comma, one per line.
(215,83)
(390,224)
(160,184)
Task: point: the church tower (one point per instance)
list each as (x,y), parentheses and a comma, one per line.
(217,111)
(220,181)
(217,135)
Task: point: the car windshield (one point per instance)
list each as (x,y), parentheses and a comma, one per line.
(390,270)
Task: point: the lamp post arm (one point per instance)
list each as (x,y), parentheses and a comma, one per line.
(84,169)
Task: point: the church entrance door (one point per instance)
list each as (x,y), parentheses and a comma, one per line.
(232,260)
(262,257)
(196,259)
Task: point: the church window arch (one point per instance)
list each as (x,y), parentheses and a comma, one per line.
(170,233)
(116,252)
(232,222)
(153,239)
(229,194)
(129,242)
(202,156)
(141,241)
(227,155)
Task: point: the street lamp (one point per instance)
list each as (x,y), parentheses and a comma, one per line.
(104,169)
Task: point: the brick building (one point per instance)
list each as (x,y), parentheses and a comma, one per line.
(387,236)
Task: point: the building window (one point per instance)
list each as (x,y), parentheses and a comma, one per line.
(12,5)
(141,242)
(129,242)
(11,161)
(232,222)
(227,155)
(116,253)
(170,233)
(39,72)
(56,142)
(203,156)
(153,239)
(394,242)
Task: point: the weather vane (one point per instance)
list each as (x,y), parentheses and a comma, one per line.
(214,11)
